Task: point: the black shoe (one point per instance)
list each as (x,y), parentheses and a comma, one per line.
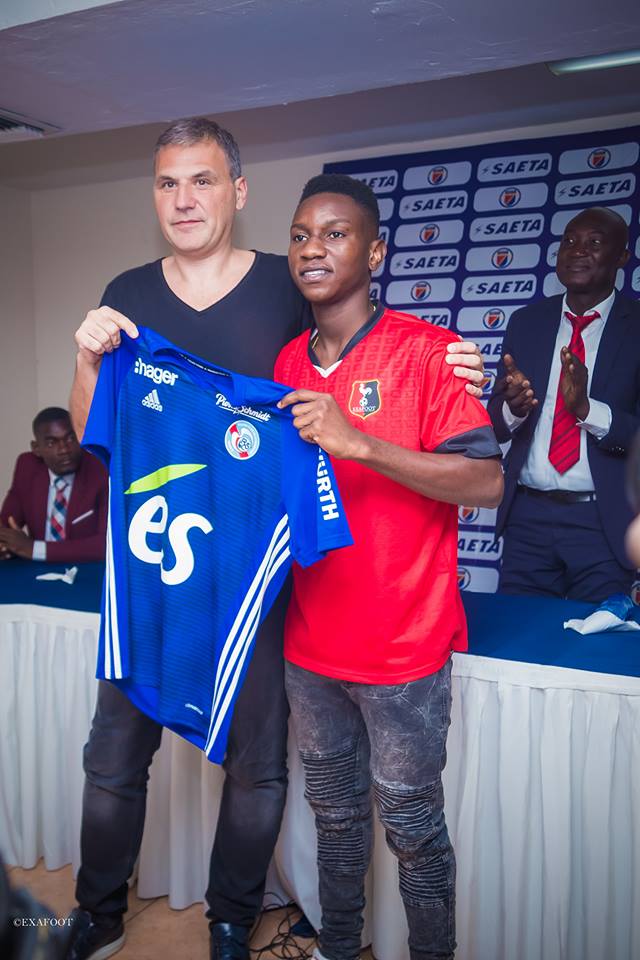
(229,941)
(95,937)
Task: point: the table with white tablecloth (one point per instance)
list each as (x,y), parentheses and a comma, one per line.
(541,784)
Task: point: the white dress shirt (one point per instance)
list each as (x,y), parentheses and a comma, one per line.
(538,471)
(40,546)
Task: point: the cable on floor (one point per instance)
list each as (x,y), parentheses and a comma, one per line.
(285,944)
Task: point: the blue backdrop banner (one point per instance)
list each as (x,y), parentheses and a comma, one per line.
(473,234)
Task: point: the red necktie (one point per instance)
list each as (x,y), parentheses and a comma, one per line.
(564,449)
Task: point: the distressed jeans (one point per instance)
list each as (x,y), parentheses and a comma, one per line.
(353,735)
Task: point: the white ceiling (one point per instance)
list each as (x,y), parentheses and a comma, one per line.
(290,74)
(140,61)
(15,12)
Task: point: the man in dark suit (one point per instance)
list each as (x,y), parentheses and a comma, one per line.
(568,397)
(56,509)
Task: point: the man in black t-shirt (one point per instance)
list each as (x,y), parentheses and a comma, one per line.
(236,308)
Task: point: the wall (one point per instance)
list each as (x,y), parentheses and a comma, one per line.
(17,335)
(83,236)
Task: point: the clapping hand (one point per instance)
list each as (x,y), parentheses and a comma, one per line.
(517,389)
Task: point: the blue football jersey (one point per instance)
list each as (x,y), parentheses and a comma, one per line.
(212,494)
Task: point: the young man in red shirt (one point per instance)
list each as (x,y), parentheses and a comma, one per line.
(370,630)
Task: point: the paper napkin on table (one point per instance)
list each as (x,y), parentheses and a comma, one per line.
(610,615)
(67,577)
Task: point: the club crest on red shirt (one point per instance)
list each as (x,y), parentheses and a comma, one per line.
(365,398)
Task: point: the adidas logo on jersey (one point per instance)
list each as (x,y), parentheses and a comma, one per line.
(157,374)
(152,400)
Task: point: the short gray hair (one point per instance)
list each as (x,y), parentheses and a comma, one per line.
(187,132)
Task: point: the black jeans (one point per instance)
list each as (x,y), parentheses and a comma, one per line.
(349,735)
(116,763)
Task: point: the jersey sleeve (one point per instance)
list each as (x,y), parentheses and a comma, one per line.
(317,520)
(101,423)
(452,421)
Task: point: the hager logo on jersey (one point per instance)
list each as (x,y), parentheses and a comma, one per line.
(157,374)
(365,398)
(242,440)
(599,158)
(510,197)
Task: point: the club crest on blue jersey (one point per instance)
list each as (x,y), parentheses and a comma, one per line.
(242,440)
(365,398)
(464,578)
(510,197)
(599,158)
(493,319)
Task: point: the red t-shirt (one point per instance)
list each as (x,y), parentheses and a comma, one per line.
(387,609)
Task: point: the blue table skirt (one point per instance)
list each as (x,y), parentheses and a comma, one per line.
(528,629)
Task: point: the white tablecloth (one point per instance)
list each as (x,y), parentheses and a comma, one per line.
(541,787)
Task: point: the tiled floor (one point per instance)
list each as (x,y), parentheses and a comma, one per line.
(154,930)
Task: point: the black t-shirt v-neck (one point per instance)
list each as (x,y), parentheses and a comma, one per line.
(244,331)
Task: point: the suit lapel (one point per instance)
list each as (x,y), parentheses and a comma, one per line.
(543,344)
(616,333)
(40,499)
(75,501)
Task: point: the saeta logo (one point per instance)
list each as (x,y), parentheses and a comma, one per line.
(429,233)
(152,517)
(464,578)
(437,175)
(468,514)
(502,257)
(599,158)
(510,197)
(420,290)
(493,319)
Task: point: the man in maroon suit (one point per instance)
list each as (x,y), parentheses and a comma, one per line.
(56,508)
